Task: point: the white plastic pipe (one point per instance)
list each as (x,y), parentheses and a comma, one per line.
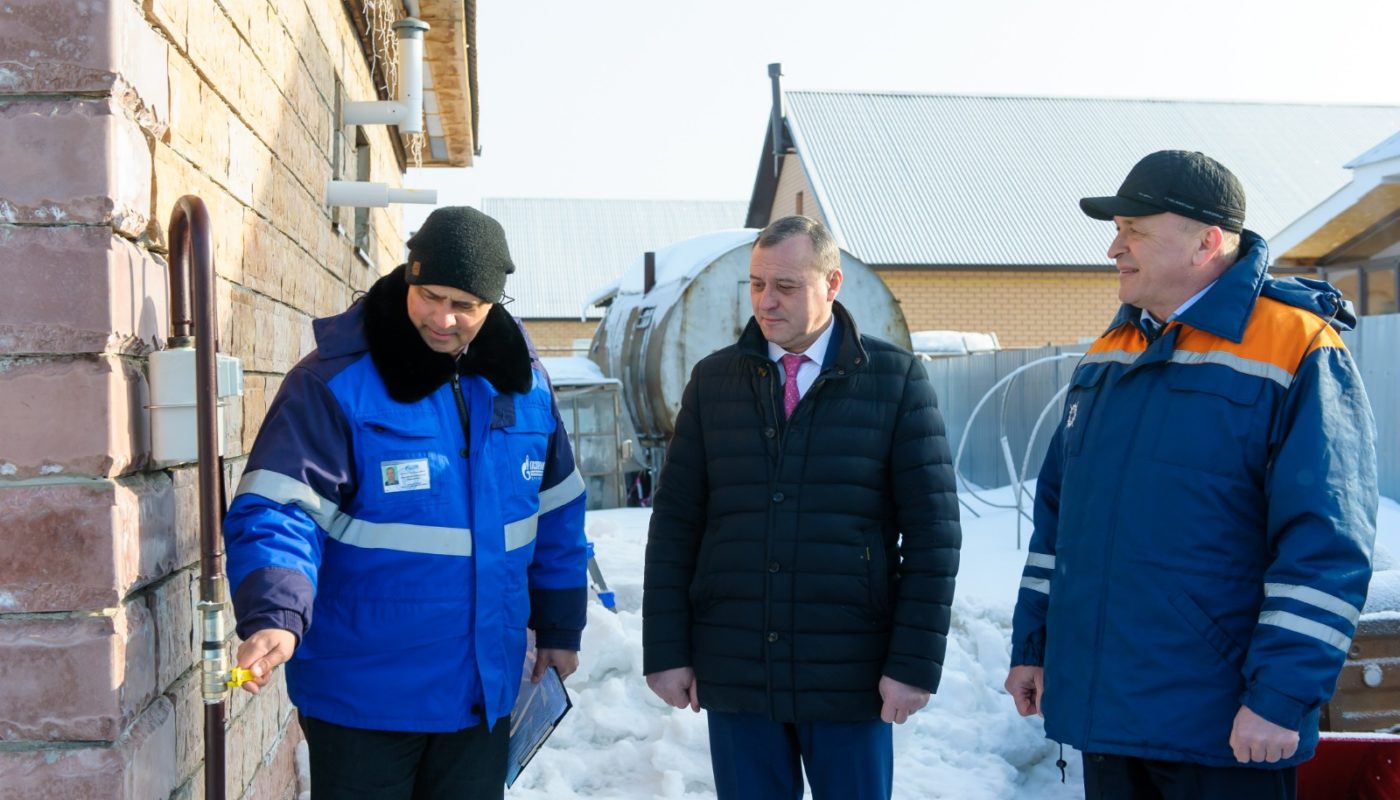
(374,195)
(407,111)
(410,33)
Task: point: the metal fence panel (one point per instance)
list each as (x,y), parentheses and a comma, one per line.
(1375,344)
(961,381)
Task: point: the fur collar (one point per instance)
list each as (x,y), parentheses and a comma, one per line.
(411,370)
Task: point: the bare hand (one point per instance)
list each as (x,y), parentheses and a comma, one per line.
(565,661)
(1026,685)
(1254,738)
(901,700)
(677,687)
(263,652)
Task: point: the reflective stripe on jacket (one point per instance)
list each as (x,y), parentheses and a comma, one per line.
(426,560)
(1203,525)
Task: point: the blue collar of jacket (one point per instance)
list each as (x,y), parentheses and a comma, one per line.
(1226,308)
(843,353)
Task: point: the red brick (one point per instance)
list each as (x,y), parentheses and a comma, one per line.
(49,149)
(83,545)
(78,678)
(114,297)
(139,765)
(56,48)
(78,416)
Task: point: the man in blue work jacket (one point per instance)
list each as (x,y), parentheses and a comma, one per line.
(410,507)
(1205,514)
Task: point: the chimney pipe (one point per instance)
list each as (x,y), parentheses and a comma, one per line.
(775,76)
(648,272)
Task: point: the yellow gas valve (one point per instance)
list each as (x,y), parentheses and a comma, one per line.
(239,676)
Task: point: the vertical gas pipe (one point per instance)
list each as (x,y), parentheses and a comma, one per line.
(190,237)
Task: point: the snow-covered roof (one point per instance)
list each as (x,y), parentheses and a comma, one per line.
(683,260)
(563,248)
(574,371)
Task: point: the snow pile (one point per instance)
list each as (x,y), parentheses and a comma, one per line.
(573,371)
(1384,597)
(953,343)
(620,742)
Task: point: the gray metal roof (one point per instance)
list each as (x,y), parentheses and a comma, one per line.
(1384,151)
(563,249)
(976,180)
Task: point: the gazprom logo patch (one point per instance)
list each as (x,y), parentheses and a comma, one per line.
(531,470)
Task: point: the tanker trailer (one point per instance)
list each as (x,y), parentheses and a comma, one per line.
(692,300)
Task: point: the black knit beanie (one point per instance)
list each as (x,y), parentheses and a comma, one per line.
(463,248)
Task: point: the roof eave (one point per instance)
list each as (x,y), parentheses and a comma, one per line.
(449,54)
(1342,218)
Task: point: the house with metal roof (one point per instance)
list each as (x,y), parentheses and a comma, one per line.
(967,205)
(564,249)
(1352,238)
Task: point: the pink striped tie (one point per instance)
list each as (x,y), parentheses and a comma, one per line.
(791,363)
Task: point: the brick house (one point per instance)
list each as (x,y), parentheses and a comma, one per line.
(111,110)
(564,249)
(967,205)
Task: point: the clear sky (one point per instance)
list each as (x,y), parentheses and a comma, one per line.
(667,99)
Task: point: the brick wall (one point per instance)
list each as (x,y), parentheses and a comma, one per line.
(109,112)
(555,337)
(1023,308)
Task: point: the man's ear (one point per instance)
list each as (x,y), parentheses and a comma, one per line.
(833,284)
(1208,244)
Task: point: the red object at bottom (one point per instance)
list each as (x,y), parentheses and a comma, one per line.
(1350,766)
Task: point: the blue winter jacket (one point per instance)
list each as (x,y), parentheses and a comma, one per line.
(1203,524)
(427,551)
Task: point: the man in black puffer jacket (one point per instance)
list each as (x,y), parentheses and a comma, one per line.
(804,539)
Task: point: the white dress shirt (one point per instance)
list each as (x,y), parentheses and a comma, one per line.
(811,368)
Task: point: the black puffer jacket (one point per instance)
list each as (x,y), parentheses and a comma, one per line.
(792,563)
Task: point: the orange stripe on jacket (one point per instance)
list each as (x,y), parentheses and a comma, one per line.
(1277,334)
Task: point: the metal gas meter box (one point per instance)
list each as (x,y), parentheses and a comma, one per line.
(172,379)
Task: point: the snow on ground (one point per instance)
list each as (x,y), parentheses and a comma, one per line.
(621,742)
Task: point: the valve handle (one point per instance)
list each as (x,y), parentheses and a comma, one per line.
(239,676)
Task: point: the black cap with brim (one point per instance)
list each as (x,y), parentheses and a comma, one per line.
(1106,208)
(1182,182)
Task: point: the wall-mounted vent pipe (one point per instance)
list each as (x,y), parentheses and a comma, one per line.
(374,195)
(407,111)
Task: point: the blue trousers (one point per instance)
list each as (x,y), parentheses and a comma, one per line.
(755,758)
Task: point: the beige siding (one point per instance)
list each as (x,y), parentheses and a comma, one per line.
(793,188)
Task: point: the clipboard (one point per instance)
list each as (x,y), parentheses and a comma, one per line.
(538,709)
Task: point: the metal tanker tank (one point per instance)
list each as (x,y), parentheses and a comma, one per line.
(650,339)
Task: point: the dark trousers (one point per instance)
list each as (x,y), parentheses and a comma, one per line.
(469,764)
(755,758)
(1127,778)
